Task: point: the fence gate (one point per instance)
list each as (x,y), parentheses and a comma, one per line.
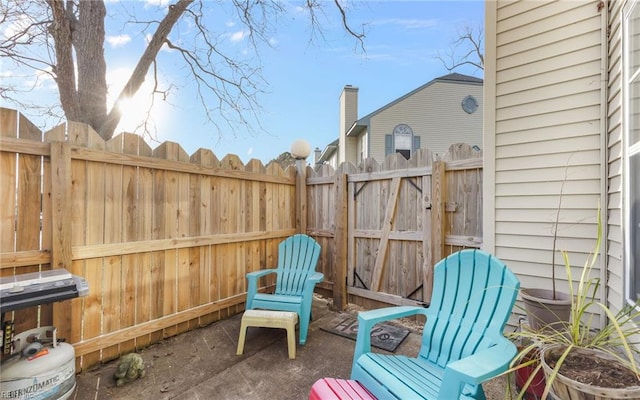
(390,215)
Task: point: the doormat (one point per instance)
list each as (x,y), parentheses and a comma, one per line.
(383,336)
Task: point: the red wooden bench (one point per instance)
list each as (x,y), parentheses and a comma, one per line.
(339,389)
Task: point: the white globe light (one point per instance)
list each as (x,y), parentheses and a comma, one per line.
(300,149)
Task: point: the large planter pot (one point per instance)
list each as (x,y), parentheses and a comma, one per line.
(543,310)
(568,389)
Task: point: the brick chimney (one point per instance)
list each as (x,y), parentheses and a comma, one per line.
(348,115)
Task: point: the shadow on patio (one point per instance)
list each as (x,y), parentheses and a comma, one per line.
(202,364)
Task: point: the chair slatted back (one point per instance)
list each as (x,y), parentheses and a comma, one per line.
(297,258)
(472,299)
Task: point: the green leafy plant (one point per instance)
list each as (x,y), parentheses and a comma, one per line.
(615,338)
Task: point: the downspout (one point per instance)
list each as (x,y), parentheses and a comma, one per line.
(604,160)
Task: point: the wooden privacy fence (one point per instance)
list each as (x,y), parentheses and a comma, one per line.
(165,239)
(387,224)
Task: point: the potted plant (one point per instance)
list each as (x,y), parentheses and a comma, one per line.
(545,307)
(577,346)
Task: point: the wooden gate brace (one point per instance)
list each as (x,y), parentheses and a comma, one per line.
(415,185)
(356,192)
(355,275)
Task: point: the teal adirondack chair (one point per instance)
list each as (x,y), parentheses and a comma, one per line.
(296,279)
(462,344)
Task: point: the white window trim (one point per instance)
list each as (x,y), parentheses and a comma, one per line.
(629,151)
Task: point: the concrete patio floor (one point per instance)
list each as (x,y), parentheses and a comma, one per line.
(202,364)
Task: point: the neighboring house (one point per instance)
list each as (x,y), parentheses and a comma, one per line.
(442,112)
(562,113)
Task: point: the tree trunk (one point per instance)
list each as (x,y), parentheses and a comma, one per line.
(61,30)
(83,97)
(88,42)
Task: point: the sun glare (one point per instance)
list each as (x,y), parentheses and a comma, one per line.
(138,115)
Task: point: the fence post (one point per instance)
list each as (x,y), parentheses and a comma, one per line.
(438,190)
(301,196)
(340,296)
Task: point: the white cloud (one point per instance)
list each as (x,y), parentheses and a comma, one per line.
(238,36)
(273,41)
(158,3)
(16,25)
(409,23)
(250,151)
(118,41)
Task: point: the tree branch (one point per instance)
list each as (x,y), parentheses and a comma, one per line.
(139,73)
(473,55)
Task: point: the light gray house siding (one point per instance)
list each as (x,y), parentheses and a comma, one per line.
(433,111)
(544,133)
(435,114)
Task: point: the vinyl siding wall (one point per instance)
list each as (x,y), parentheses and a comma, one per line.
(423,111)
(542,128)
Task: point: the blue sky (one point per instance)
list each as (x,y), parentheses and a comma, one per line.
(303,74)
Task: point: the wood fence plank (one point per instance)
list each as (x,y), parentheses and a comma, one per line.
(61,200)
(8,123)
(94,273)
(158,260)
(146,260)
(46,311)
(169,228)
(199,224)
(438,191)
(27,227)
(8,197)
(187,268)
(129,209)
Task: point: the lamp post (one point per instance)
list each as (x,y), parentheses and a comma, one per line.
(300,150)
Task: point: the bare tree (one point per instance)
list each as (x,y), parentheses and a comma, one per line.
(64,39)
(467,49)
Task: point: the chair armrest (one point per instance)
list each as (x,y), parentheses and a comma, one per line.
(367,319)
(310,283)
(477,368)
(312,279)
(252,283)
(261,273)
(316,277)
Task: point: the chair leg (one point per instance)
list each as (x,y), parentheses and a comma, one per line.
(291,339)
(304,327)
(243,333)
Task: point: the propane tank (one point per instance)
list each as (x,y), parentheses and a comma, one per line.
(40,367)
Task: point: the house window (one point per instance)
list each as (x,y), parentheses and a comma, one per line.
(403,140)
(631,112)
(364,145)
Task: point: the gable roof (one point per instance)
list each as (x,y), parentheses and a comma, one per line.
(328,152)
(453,77)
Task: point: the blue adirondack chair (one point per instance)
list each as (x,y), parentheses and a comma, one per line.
(462,344)
(296,279)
